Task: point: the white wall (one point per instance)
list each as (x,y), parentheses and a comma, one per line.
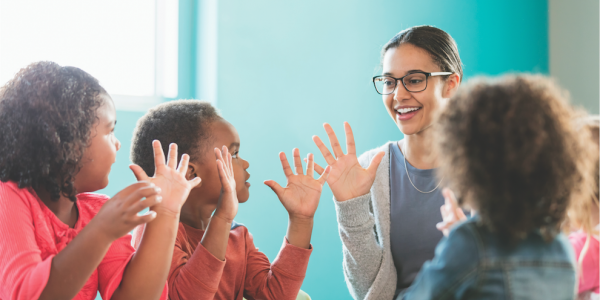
(574,49)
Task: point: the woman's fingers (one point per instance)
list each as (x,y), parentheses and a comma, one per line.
(324,176)
(326,154)
(350,146)
(286,166)
(310,165)
(297,161)
(138,172)
(372,169)
(159,155)
(335,144)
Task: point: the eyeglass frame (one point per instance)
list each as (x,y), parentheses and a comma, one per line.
(401,79)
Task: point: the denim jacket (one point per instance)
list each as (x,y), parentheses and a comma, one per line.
(473,263)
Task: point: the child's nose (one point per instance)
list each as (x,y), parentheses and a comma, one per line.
(246,164)
(118,144)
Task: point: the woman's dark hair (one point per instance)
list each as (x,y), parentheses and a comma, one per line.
(438,43)
(183,122)
(46,116)
(511,149)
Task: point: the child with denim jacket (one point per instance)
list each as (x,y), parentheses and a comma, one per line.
(510,150)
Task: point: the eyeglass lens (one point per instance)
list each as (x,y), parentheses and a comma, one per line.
(413,83)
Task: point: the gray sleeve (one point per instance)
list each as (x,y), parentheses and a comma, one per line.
(363,254)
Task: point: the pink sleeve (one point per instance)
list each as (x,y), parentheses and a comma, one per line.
(280,280)
(23,273)
(588,277)
(112,267)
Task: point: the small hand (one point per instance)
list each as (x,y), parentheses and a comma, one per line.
(119,215)
(451,212)
(348,178)
(301,195)
(227,206)
(169,178)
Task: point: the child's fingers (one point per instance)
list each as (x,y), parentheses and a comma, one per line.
(326,154)
(138,172)
(139,194)
(223,174)
(350,146)
(183,164)
(317,168)
(275,187)
(126,192)
(145,218)
(159,155)
(286,166)
(172,160)
(197,181)
(310,165)
(146,203)
(297,161)
(224,152)
(324,176)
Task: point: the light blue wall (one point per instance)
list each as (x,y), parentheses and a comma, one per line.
(286,67)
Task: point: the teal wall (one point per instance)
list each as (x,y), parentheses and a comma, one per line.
(286,67)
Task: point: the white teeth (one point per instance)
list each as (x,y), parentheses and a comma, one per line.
(407,110)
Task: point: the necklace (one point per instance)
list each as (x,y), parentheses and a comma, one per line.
(406,168)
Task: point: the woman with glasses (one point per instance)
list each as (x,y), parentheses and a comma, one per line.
(388,200)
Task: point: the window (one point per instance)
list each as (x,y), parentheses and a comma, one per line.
(130,46)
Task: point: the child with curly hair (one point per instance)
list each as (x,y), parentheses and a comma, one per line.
(215,257)
(60,240)
(510,150)
(584,216)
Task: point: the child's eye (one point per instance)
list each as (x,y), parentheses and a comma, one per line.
(235,154)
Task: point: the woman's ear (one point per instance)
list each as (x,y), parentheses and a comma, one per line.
(451,86)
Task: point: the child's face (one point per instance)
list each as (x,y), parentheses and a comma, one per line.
(223,134)
(101,154)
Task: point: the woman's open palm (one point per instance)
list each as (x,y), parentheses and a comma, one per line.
(348,179)
(301,195)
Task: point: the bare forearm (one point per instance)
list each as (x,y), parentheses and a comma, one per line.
(73,266)
(216,236)
(299,231)
(146,274)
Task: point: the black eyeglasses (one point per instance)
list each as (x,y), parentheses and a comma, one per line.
(413,82)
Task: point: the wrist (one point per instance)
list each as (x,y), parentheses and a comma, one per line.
(228,218)
(100,232)
(164,212)
(301,220)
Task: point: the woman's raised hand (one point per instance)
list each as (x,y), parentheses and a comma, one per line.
(169,178)
(227,206)
(301,195)
(348,179)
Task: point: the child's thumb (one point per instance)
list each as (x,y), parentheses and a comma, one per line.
(277,189)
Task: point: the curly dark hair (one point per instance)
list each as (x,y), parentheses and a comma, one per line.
(184,122)
(510,149)
(46,116)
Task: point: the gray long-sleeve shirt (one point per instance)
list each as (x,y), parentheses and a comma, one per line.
(364,226)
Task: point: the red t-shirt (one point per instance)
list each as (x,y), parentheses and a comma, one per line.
(32,235)
(246,272)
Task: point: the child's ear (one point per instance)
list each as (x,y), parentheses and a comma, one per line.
(191,171)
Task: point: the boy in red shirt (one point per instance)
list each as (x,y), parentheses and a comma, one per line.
(215,257)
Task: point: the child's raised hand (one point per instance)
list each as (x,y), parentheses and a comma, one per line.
(169,178)
(301,195)
(348,178)
(119,215)
(451,212)
(227,206)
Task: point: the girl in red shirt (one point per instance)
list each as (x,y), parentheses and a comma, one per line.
(59,241)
